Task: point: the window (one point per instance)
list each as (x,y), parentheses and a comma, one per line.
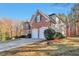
(38,18)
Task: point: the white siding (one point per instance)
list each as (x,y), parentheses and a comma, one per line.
(59,26)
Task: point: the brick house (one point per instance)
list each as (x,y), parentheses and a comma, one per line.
(26,28)
(41,21)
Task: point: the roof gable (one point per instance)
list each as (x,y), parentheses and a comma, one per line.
(44,15)
(51,15)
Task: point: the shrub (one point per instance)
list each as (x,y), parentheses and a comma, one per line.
(28,36)
(49,33)
(16,37)
(58,35)
(22,36)
(5,36)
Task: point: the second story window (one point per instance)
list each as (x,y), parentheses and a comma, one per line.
(37,18)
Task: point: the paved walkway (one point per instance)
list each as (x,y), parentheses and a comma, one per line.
(16,43)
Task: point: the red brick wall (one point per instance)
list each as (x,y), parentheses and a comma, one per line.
(42,22)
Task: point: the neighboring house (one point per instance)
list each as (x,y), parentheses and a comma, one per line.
(40,22)
(26,28)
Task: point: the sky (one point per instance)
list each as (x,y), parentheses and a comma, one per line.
(24,11)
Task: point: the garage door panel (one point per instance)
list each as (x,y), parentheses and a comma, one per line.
(41,32)
(34,33)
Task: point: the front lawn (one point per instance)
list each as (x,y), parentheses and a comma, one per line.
(63,47)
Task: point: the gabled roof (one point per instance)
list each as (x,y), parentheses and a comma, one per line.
(46,16)
(53,14)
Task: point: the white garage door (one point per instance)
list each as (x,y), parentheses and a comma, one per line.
(34,33)
(41,32)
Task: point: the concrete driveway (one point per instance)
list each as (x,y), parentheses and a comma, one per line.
(17,43)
